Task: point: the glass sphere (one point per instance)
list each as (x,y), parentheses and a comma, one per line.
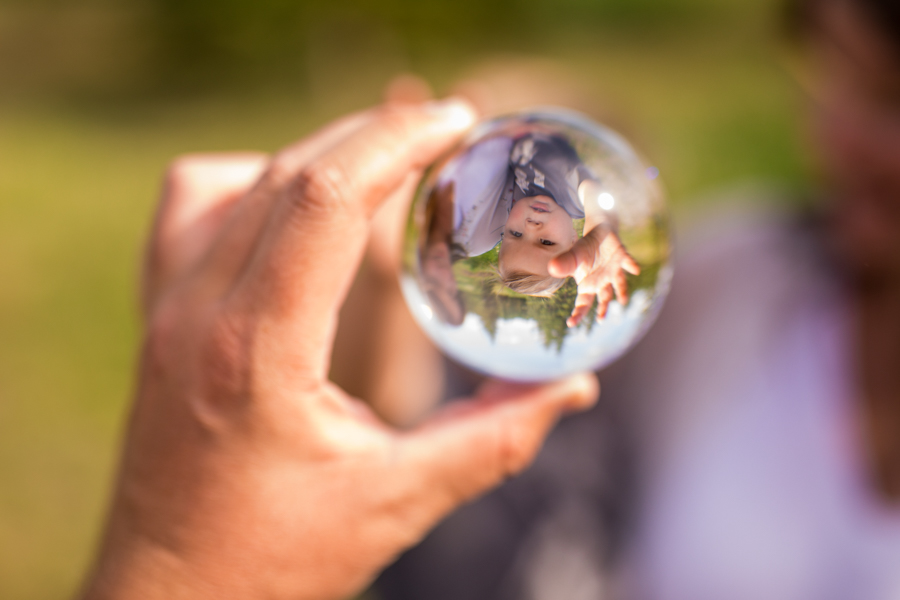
(537,248)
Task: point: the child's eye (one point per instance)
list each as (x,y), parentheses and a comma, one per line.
(516,233)
(548,243)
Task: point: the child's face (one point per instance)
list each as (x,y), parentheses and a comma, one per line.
(537,230)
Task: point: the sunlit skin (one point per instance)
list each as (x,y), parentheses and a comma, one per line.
(537,230)
(246,474)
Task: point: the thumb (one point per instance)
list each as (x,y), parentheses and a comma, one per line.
(563,265)
(579,260)
(475,444)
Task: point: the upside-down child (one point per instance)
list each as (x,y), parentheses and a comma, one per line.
(526,193)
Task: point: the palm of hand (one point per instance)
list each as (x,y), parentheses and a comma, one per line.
(601,266)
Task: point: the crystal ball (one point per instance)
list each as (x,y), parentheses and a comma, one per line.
(539,247)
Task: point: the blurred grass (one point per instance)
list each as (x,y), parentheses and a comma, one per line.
(703,96)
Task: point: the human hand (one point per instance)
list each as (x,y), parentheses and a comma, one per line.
(438,280)
(245,473)
(598,262)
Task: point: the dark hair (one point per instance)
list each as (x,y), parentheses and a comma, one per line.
(884,13)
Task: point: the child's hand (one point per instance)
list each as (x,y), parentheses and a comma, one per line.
(598,262)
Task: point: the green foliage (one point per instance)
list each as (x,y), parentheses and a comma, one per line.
(485,295)
(214,39)
(550,314)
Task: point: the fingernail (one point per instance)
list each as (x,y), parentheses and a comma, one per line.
(456,113)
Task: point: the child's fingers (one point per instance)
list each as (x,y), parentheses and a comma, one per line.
(583,303)
(620,286)
(602,307)
(604,296)
(630,265)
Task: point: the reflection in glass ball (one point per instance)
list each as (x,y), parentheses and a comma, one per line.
(538,248)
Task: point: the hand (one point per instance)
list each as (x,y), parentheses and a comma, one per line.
(438,281)
(245,473)
(598,262)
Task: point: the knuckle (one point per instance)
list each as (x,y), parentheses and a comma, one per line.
(280,171)
(204,357)
(320,189)
(212,351)
(224,357)
(222,364)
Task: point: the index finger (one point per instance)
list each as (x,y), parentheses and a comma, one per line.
(317,231)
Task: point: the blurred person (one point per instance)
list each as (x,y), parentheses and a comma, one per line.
(764,406)
(245,473)
(773,450)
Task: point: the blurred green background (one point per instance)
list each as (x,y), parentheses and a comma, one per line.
(97,95)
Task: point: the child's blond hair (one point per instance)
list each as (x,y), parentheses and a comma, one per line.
(531,284)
